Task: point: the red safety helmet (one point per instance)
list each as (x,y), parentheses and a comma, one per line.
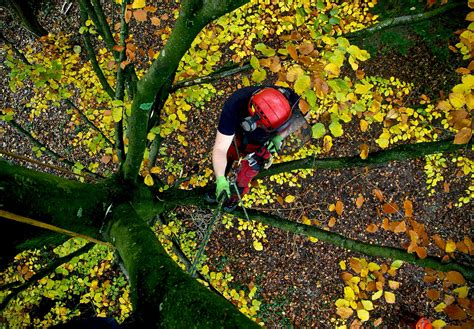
(271,107)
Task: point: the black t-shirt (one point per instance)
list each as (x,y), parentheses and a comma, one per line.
(236,109)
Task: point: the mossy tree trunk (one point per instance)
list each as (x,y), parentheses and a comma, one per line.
(25,13)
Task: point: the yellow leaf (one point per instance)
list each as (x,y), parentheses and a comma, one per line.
(389,297)
(364,125)
(364,151)
(117,113)
(342,265)
(327,143)
(373,267)
(363,315)
(393,284)
(205,270)
(332,69)
(362,88)
(377,295)
(457,99)
(289,198)
(462,291)
(450,246)
(470,17)
(342,303)
(155,170)
(349,294)
(137,4)
(149,180)
(257,245)
(368,305)
(302,84)
(438,324)
(440,307)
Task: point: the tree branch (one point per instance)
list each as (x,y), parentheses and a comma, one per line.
(216,75)
(354,245)
(44,272)
(51,153)
(398,153)
(404,20)
(91,55)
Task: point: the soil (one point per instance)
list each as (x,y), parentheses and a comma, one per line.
(299,281)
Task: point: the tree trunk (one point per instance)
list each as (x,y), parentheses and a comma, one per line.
(24,11)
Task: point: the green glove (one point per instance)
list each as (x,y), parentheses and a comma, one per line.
(274,144)
(222,185)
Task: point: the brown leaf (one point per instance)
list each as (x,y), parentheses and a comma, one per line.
(455,277)
(461,246)
(165,17)
(150,9)
(140,15)
(386,224)
(321,86)
(339,207)
(364,151)
(433,294)
(280,200)
(446,187)
(455,312)
(292,51)
(463,136)
(421,252)
(372,228)
(360,74)
(378,194)
(408,206)
(439,242)
(304,106)
(332,222)
(390,208)
(360,201)
(118,48)
(128,16)
(306,48)
(344,312)
(346,276)
(463,70)
(355,265)
(275,65)
(430,278)
(401,227)
(106,159)
(155,21)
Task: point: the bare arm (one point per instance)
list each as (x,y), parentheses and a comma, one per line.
(219,153)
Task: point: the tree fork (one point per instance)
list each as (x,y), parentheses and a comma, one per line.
(162,294)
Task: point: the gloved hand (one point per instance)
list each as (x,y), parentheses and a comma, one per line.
(222,187)
(274,145)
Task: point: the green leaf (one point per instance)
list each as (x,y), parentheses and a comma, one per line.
(310,97)
(117,113)
(254,63)
(77,49)
(146,106)
(321,5)
(397,264)
(319,130)
(302,84)
(266,51)
(336,128)
(259,75)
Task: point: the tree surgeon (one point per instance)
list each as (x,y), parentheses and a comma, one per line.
(252,126)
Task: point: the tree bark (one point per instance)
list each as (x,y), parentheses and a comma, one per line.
(25,13)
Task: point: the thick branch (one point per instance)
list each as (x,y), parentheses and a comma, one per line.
(354,245)
(162,294)
(404,20)
(44,272)
(398,153)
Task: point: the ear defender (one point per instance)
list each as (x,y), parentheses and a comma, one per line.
(249,123)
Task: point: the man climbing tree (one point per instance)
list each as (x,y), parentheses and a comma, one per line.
(252,126)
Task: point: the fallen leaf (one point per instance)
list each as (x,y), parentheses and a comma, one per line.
(455,277)
(332,222)
(401,227)
(289,198)
(155,21)
(344,312)
(408,206)
(364,151)
(372,228)
(421,252)
(339,207)
(390,208)
(455,312)
(463,136)
(363,315)
(433,294)
(389,297)
(378,194)
(140,15)
(360,201)
(257,245)
(439,242)
(393,284)
(450,246)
